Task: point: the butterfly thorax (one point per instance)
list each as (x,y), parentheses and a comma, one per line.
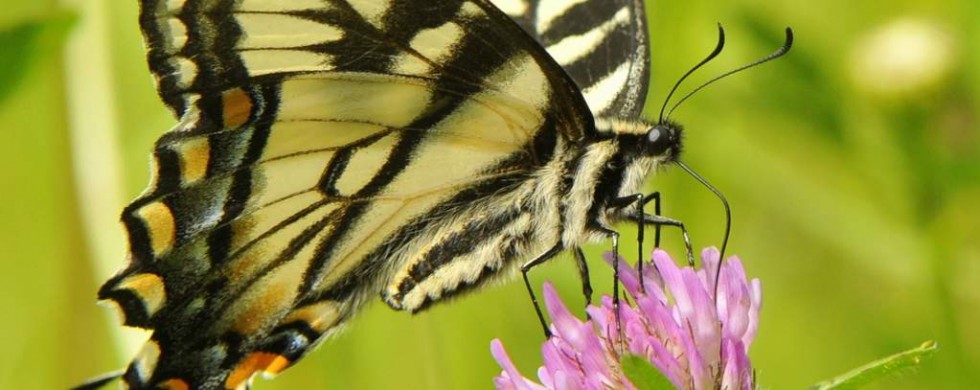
(613,166)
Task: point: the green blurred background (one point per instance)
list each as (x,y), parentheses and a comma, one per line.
(853,167)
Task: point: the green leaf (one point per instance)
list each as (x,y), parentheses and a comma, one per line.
(644,375)
(879,368)
(25,44)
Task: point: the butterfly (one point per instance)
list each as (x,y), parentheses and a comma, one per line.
(330,151)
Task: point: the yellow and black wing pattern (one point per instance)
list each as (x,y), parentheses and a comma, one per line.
(328,151)
(602,44)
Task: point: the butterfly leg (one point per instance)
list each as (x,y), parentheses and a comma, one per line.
(621,203)
(583,271)
(643,219)
(659,220)
(547,255)
(655,197)
(614,236)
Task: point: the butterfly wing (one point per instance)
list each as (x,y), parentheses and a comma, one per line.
(602,44)
(313,138)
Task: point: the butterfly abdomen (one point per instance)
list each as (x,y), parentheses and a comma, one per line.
(469,249)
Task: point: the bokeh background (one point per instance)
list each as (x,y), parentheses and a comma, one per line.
(853,167)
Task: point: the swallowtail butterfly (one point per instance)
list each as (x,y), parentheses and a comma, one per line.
(328,151)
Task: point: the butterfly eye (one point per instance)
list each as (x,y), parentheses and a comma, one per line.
(659,140)
(655,134)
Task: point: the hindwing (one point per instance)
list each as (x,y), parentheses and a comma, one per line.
(313,138)
(602,44)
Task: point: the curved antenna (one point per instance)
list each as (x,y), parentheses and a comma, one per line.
(714,53)
(788,44)
(728,218)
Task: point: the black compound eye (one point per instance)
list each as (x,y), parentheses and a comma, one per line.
(662,140)
(659,139)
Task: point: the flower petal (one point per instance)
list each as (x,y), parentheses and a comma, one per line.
(627,274)
(698,339)
(510,378)
(710,257)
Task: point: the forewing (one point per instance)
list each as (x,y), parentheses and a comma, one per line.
(602,44)
(310,133)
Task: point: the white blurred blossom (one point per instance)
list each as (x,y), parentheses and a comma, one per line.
(902,57)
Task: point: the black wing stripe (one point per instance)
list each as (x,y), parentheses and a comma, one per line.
(583,18)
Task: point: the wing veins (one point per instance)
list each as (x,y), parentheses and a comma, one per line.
(281,259)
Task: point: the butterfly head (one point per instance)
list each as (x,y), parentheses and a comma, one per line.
(658,143)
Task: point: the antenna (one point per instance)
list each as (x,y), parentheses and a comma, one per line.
(714,53)
(728,218)
(788,44)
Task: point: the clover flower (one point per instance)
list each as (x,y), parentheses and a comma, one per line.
(674,322)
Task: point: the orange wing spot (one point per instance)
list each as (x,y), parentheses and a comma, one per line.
(174,384)
(237,107)
(194,157)
(277,364)
(161,227)
(268,362)
(150,289)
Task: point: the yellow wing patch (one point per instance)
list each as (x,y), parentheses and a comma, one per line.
(194,157)
(269,30)
(382,99)
(353,180)
(160,225)
(310,135)
(149,288)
